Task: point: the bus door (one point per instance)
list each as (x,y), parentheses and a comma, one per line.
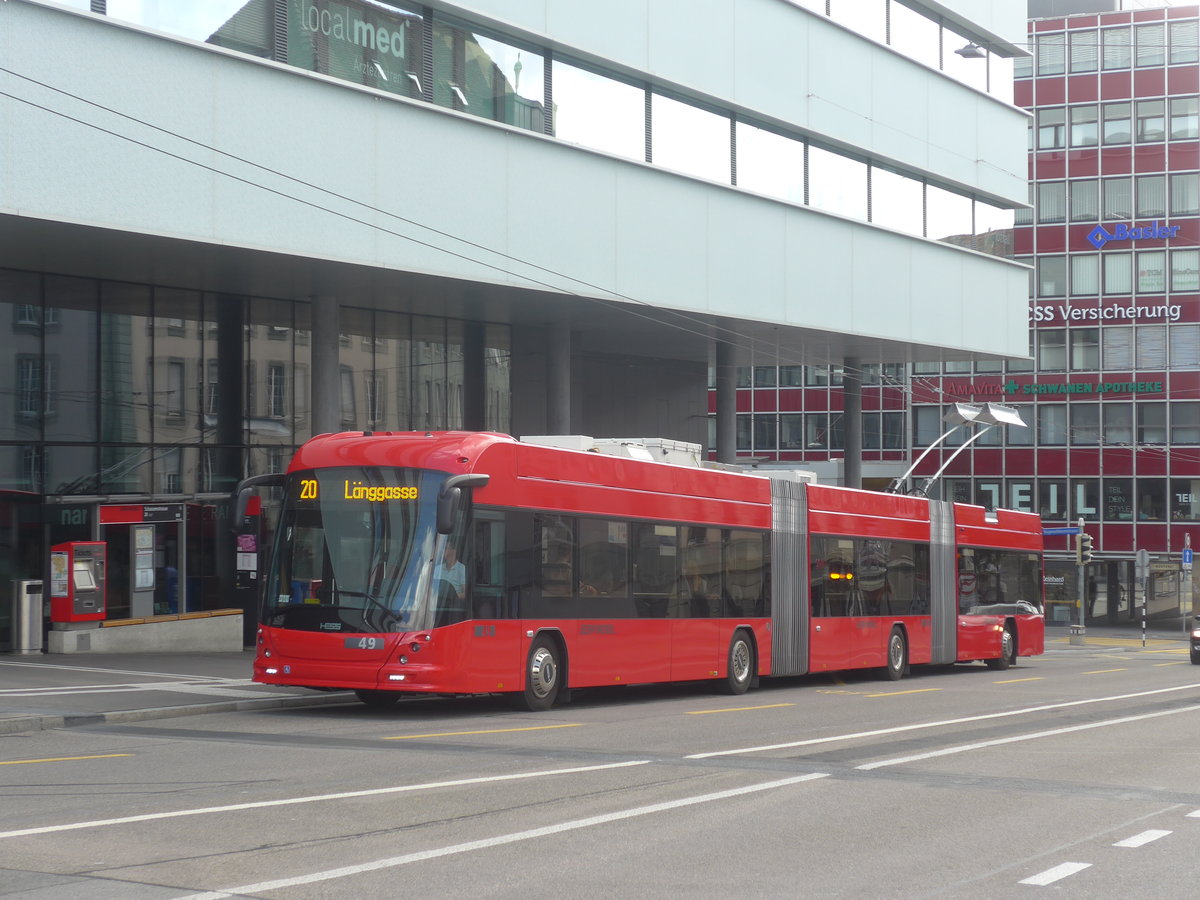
(836,624)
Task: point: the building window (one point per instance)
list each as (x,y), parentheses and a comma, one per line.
(175,382)
(1051,202)
(821,376)
(1185,422)
(1118,499)
(1150,124)
(1085,275)
(1184,37)
(374,392)
(816,431)
(346,382)
(1085,424)
(1151,196)
(1116,123)
(1052,276)
(1152,272)
(1151,423)
(1085,498)
(209,388)
(1052,498)
(1118,273)
(1118,348)
(1051,129)
(1017,436)
(791,431)
(743,377)
(1051,53)
(1151,347)
(791,376)
(1085,349)
(276,391)
(1116,44)
(1185,499)
(1083,51)
(1151,44)
(1118,198)
(1185,194)
(33,467)
(1118,424)
(1185,346)
(1151,498)
(1184,118)
(765,432)
(1052,424)
(1052,349)
(1083,126)
(764,376)
(1084,199)
(1185,270)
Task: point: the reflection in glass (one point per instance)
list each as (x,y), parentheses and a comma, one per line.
(487,77)
(599,112)
(376,44)
(689,139)
(897,202)
(837,183)
(768,163)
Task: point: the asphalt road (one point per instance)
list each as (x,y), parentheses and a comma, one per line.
(1076,774)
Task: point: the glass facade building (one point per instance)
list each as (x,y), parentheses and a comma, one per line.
(248,241)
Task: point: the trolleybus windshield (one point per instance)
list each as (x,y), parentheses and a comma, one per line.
(355,552)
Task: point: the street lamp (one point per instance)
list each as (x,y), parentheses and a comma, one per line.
(989,415)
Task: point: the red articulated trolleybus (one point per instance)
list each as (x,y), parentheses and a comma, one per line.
(474,563)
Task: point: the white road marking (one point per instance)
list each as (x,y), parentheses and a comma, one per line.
(61,668)
(222,688)
(499,840)
(1195,814)
(314,798)
(1141,840)
(1058,872)
(939,724)
(1053,732)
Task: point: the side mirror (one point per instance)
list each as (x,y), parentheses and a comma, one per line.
(450,496)
(241,497)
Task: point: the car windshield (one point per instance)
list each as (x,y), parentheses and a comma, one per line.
(354,551)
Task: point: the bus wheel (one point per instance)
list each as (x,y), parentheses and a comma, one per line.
(1008,651)
(541,676)
(897,655)
(378,699)
(740,671)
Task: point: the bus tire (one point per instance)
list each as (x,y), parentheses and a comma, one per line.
(378,699)
(739,672)
(1008,650)
(897,655)
(542,672)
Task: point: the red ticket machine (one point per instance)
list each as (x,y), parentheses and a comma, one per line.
(77,581)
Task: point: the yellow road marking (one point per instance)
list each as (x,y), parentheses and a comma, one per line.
(897,693)
(1018,680)
(1102,671)
(828,691)
(705,712)
(413,737)
(1176,662)
(24,762)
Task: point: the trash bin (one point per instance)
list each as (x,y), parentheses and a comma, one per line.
(27,617)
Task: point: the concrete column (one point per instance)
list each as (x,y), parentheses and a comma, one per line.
(726,403)
(325,379)
(852,422)
(558,379)
(474,377)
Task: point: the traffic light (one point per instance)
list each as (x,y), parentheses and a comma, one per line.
(1083,548)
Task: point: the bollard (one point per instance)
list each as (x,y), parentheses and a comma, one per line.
(1077,634)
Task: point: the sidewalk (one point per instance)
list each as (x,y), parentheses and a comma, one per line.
(46,691)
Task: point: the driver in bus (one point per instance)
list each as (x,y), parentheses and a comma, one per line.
(452,573)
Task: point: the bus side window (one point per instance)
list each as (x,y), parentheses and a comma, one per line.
(488,569)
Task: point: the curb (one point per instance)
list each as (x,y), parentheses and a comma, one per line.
(23,724)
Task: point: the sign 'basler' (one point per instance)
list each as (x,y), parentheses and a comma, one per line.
(1099,236)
